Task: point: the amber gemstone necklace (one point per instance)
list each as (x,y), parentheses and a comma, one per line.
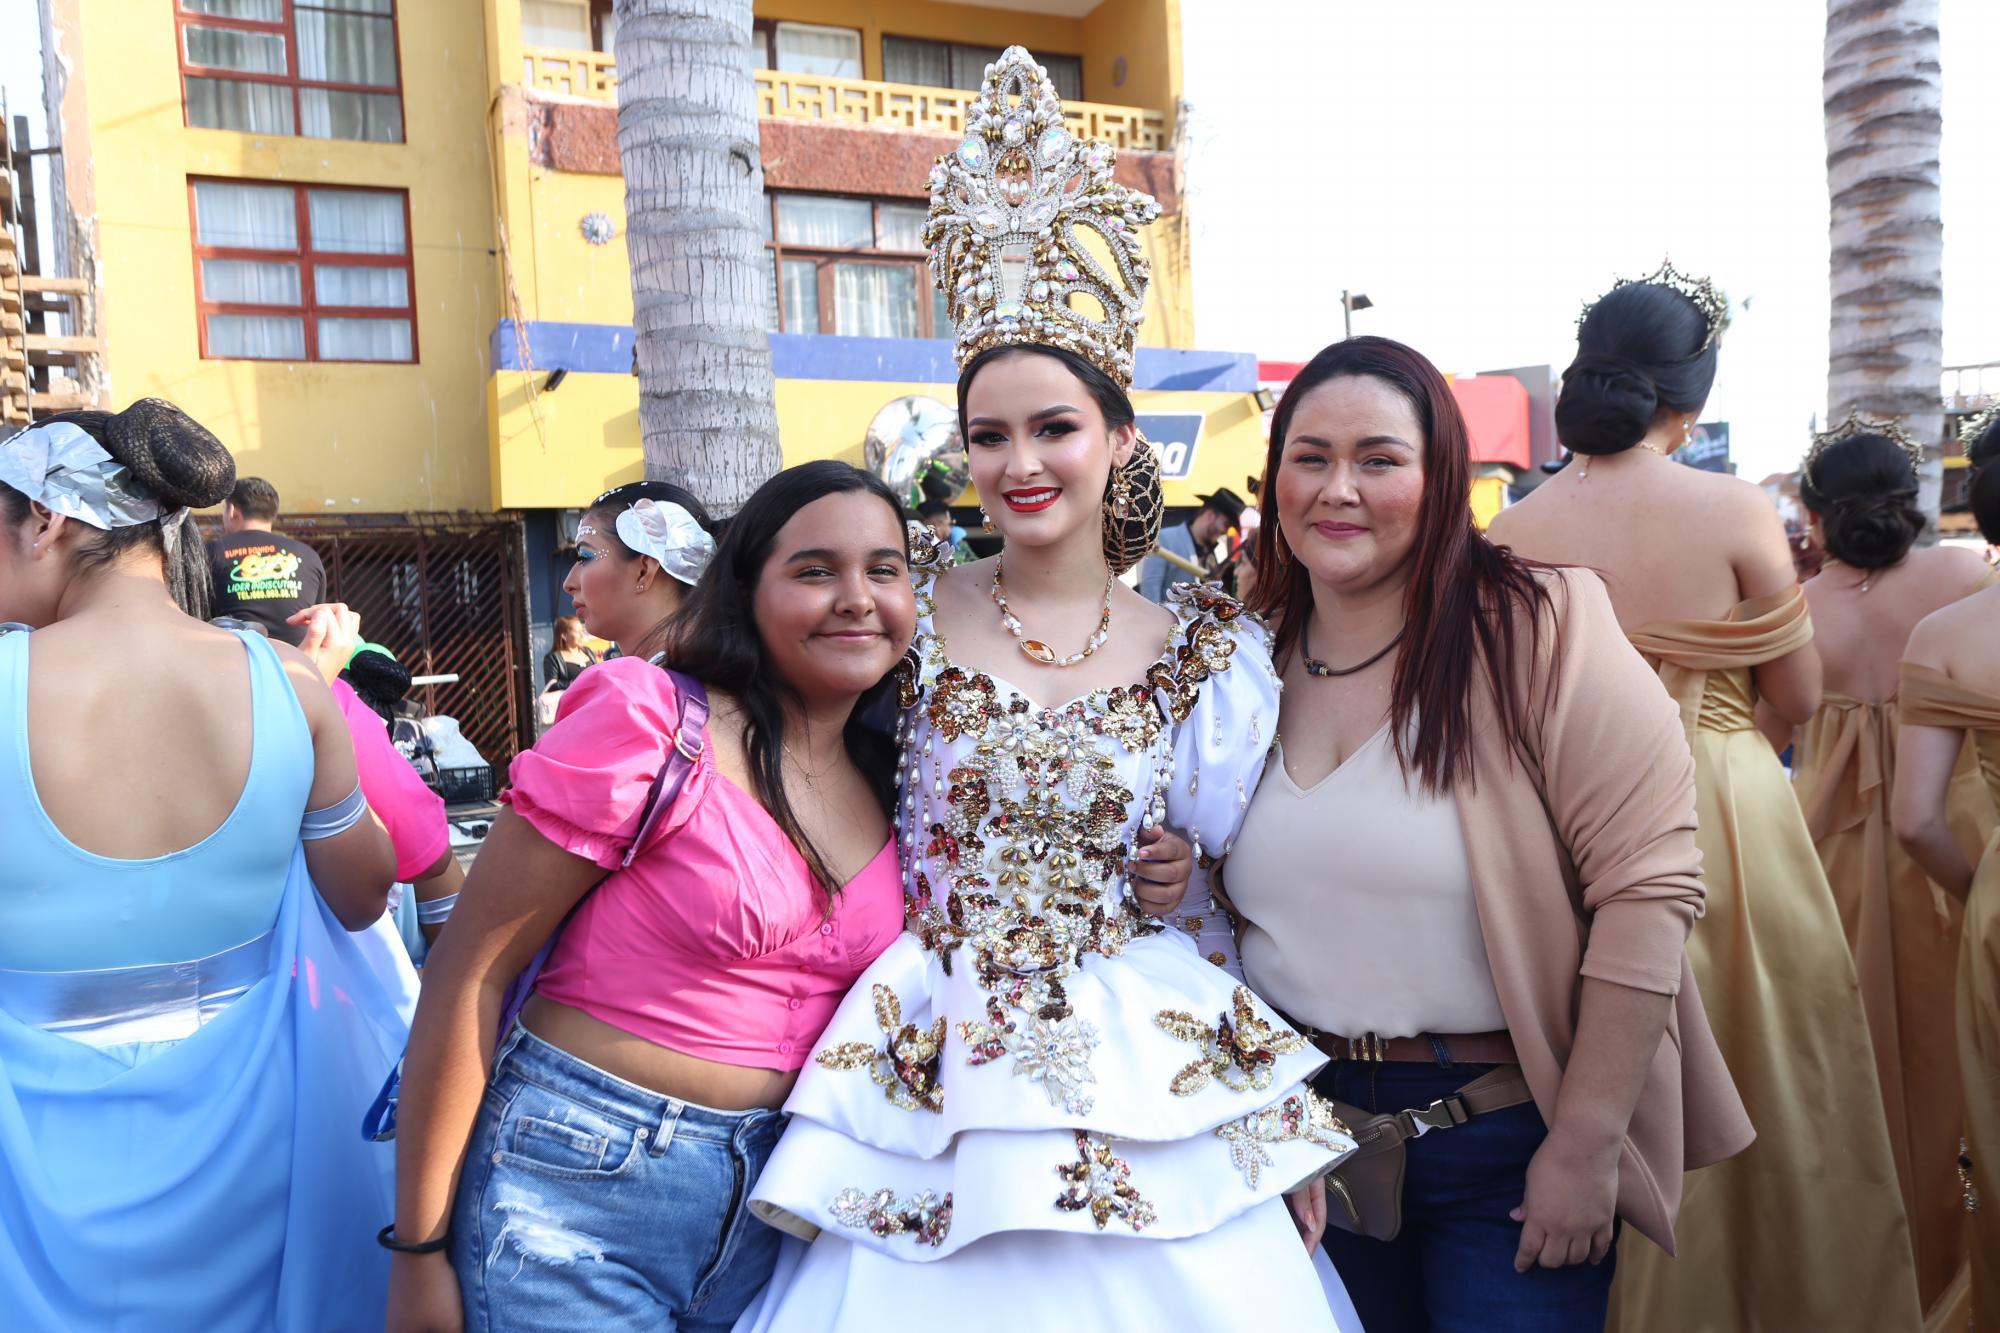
(1035,649)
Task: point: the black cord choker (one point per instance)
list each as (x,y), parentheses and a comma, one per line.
(1315,667)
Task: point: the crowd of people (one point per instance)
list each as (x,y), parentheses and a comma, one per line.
(1436,941)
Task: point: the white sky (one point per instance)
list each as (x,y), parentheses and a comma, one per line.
(1481,169)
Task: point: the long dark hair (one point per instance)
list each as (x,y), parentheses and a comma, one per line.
(175,461)
(1864,490)
(1460,612)
(1642,350)
(714,638)
(1983,495)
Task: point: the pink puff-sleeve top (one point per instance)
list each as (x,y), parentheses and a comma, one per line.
(715,941)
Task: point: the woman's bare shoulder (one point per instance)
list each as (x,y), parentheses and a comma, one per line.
(1955,571)
(1966,629)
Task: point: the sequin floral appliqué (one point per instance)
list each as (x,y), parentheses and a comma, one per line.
(905,1065)
(1101,1183)
(1302,1117)
(923,1217)
(1239,1050)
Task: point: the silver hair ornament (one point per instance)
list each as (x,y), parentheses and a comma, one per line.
(670,535)
(58,465)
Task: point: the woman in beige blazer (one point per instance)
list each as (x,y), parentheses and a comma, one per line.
(1475,860)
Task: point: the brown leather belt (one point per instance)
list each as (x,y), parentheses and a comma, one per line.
(1460,1048)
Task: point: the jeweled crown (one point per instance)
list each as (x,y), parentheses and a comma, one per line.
(1977,424)
(1006,209)
(1707,297)
(1856,424)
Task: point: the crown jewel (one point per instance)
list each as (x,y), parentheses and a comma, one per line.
(1007,207)
(1707,298)
(1854,425)
(1977,424)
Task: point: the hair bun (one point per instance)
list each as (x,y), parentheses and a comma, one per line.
(1872,531)
(174,457)
(1607,405)
(378,676)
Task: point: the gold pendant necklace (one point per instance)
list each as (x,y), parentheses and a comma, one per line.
(1035,649)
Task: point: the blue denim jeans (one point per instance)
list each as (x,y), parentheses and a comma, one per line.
(589,1202)
(1451,1267)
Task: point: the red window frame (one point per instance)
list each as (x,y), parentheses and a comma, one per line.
(824,258)
(286,28)
(309,311)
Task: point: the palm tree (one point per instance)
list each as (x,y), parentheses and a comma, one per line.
(1883,123)
(694,185)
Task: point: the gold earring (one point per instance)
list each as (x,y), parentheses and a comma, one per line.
(985,519)
(1687,432)
(1121,493)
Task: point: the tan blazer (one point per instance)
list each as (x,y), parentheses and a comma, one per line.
(1584,864)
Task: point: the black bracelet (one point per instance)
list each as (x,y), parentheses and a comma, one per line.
(386,1238)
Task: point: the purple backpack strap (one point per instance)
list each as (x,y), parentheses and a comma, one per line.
(690,737)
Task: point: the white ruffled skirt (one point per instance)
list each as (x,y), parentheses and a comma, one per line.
(1118,1166)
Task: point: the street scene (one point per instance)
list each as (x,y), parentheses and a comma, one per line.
(761,666)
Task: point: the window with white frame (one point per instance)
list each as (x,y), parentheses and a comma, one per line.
(302,273)
(851,266)
(321,69)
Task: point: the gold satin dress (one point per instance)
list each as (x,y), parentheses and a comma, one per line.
(1932,699)
(1805,1229)
(1904,934)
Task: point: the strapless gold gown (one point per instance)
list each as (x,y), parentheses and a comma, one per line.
(1932,699)
(1805,1229)
(1904,934)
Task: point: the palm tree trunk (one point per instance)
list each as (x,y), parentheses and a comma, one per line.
(694,183)
(1883,122)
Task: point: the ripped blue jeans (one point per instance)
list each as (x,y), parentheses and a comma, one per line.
(590,1202)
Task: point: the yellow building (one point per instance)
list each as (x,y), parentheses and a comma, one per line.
(377,246)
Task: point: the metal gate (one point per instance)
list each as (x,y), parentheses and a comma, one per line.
(446,598)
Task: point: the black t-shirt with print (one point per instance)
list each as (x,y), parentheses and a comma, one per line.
(266,577)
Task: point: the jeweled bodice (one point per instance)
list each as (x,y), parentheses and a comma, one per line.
(1018,819)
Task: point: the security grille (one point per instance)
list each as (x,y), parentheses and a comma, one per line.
(445,598)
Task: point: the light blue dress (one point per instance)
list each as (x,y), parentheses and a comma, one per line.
(187,1045)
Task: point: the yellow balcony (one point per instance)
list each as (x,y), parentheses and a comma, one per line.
(906,106)
(593,76)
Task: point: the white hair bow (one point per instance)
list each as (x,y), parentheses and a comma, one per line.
(670,535)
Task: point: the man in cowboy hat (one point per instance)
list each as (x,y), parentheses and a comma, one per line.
(1193,541)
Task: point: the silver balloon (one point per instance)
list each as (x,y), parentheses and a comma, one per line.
(915,439)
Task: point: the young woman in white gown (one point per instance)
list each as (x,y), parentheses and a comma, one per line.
(1041,1104)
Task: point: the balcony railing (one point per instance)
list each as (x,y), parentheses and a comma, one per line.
(908,106)
(904,106)
(588,74)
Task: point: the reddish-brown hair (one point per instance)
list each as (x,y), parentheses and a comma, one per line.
(1462,612)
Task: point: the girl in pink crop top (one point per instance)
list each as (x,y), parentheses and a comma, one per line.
(722,950)
(589,1176)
